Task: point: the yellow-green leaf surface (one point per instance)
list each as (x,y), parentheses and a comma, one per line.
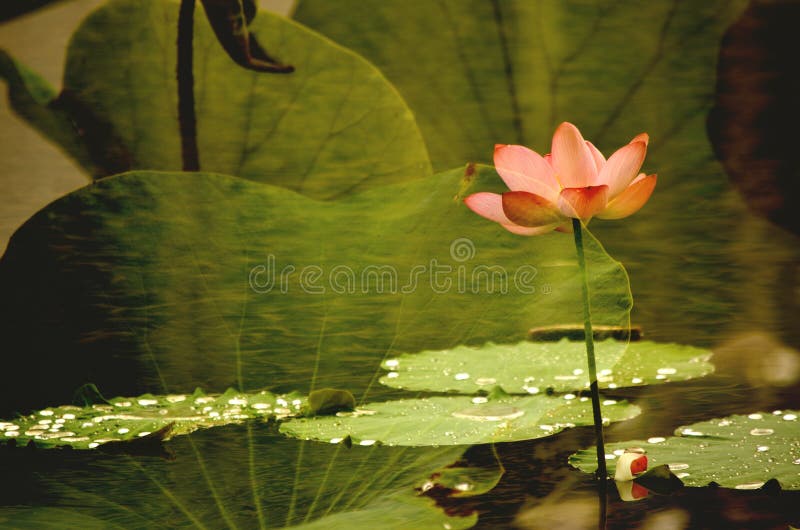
(534,367)
(147,280)
(333,126)
(741,452)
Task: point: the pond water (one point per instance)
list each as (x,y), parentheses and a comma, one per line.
(709,266)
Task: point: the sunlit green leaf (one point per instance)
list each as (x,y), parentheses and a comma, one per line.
(124,419)
(533,367)
(740,452)
(151,279)
(333,126)
(456,420)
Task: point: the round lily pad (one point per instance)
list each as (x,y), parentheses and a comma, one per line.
(458,420)
(532,367)
(127,419)
(741,452)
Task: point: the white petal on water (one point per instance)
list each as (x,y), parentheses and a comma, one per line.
(667,371)
(461,376)
(656,440)
(755,416)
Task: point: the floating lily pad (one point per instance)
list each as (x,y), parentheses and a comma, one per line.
(533,367)
(203,280)
(456,420)
(125,419)
(334,126)
(741,452)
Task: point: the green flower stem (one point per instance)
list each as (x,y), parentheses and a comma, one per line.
(186,113)
(589,338)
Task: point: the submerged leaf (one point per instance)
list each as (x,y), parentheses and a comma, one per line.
(467,481)
(741,452)
(534,367)
(131,419)
(329,401)
(455,420)
(239,476)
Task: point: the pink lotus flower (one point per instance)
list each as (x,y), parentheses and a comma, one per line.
(575,181)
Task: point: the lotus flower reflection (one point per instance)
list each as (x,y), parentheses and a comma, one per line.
(574,181)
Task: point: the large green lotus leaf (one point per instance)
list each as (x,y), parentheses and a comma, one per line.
(456,420)
(126,419)
(532,367)
(477,73)
(740,452)
(242,476)
(163,282)
(333,126)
